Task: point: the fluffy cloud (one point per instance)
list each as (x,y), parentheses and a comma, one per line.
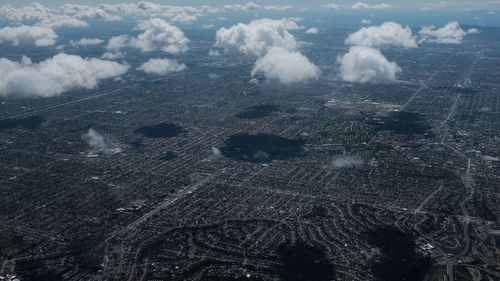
(285,66)
(242,8)
(32,12)
(278,7)
(113,55)
(257,37)
(365,64)
(331,6)
(24,34)
(98,141)
(451,33)
(73,15)
(56,21)
(117,42)
(40,14)
(55,75)
(161,66)
(387,34)
(347,162)
(312,30)
(158,35)
(362,5)
(275,48)
(252,6)
(86,42)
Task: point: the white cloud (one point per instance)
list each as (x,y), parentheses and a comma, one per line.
(213,53)
(24,34)
(331,6)
(55,21)
(278,7)
(312,30)
(365,64)
(366,21)
(242,8)
(158,35)
(473,31)
(113,55)
(347,162)
(161,66)
(451,33)
(284,66)
(117,42)
(98,141)
(362,5)
(89,12)
(208,26)
(86,42)
(40,14)
(275,48)
(257,37)
(387,34)
(73,15)
(32,12)
(55,75)
(214,154)
(185,14)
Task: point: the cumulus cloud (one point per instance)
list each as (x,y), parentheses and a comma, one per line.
(74,15)
(242,8)
(331,6)
(158,35)
(98,141)
(347,162)
(113,55)
(161,66)
(32,12)
(55,75)
(366,21)
(285,66)
(257,37)
(451,33)
(40,15)
(362,5)
(275,47)
(208,26)
(214,154)
(312,30)
(278,7)
(365,64)
(117,42)
(24,34)
(387,34)
(473,31)
(253,6)
(86,42)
